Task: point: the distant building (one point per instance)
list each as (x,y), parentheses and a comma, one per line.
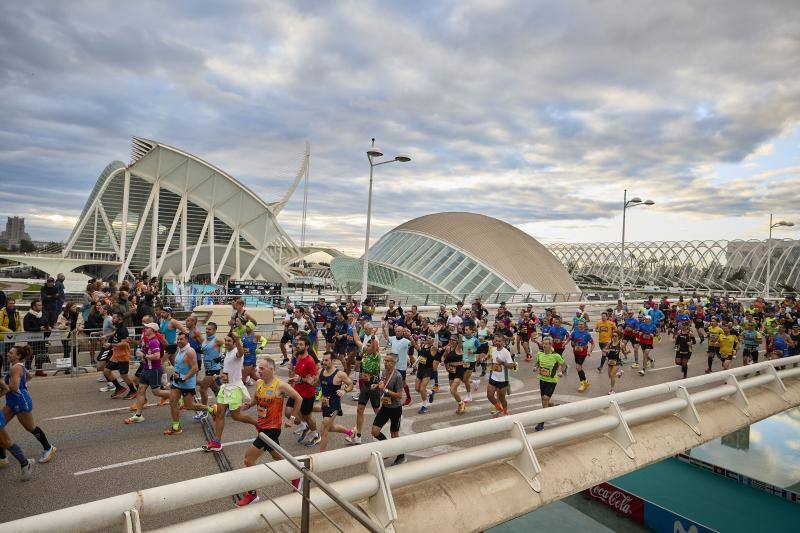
(14,233)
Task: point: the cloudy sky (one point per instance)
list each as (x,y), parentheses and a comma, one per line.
(538,113)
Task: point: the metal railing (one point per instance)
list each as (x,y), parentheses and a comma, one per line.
(508,442)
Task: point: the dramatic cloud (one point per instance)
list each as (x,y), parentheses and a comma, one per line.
(539,113)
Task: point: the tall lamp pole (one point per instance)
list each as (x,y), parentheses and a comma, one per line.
(633,202)
(782,223)
(372,154)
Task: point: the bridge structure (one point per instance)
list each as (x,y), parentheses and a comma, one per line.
(507,472)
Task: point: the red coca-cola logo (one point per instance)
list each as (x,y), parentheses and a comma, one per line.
(622,502)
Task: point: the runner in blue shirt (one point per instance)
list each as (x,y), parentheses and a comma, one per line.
(630,327)
(582,346)
(647,334)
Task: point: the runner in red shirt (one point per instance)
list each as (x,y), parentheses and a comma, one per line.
(306,372)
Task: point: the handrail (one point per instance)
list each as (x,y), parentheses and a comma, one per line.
(377,484)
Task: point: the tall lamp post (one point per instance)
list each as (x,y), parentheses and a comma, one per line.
(626,204)
(372,154)
(781,223)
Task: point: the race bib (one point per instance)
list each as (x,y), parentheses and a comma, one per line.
(544,372)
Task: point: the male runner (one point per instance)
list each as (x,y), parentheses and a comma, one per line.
(269,395)
(7,444)
(728,342)
(546,367)
(613,353)
(425,371)
(582,345)
(152,370)
(369,375)
(232,393)
(305,377)
(390,387)
(630,326)
(714,331)
(119,360)
(497,388)
(604,329)
(751,338)
(184,382)
(647,332)
(558,340)
(400,343)
(212,365)
(469,349)
(331,380)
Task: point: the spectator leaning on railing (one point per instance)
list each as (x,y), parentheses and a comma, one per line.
(34,322)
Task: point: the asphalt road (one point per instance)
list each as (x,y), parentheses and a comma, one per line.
(99,456)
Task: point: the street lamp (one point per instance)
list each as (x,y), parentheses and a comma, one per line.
(626,204)
(373,153)
(781,223)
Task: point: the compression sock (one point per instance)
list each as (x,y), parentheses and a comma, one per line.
(582,375)
(436,378)
(381,436)
(710,360)
(119,384)
(407,391)
(41,437)
(685,369)
(16,451)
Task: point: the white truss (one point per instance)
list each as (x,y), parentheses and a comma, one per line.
(735,265)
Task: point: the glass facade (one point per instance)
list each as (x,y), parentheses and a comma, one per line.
(412,263)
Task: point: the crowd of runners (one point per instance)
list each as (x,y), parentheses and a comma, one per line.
(338,351)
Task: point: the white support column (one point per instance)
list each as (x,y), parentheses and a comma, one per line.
(234,237)
(381,504)
(123,233)
(154,220)
(171,233)
(138,234)
(526,462)
(622,433)
(689,413)
(94,235)
(82,222)
(199,242)
(184,273)
(109,228)
(211,239)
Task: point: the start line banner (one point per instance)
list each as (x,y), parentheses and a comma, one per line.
(643,512)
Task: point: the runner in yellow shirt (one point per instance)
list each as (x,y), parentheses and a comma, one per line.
(728,342)
(604,329)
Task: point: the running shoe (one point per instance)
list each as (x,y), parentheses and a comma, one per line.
(354,396)
(101,379)
(130,396)
(200,416)
(475,383)
(356,439)
(407,401)
(4,462)
(301,427)
(611,391)
(599,369)
(539,426)
(635,365)
(212,446)
(351,438)
(564,369)
(619,374)
(313,441)
(107,388)
(708,370)
(303,435)
(163,401)
(119,394)
(461,408)
(583,386)
(468,398)
(431,396)
(134,419)
(641,372)
(422,410)
(435,388)
(283,363)
(27,470)
(400,459)
(649,364)
(247,499)
(173,430)
(48,454)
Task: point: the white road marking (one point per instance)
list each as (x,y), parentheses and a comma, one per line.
(96,412)
(152,458)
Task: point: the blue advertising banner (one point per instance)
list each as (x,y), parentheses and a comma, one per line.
(664,521)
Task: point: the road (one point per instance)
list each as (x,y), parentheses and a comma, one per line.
(99,456)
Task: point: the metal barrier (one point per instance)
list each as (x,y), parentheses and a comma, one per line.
(509,442)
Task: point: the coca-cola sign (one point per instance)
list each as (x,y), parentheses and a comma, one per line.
(622,502)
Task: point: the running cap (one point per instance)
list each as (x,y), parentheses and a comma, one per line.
(250,325)
(153,326)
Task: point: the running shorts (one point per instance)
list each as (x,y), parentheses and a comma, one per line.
(559,351)
(273,433)
(366,394)
(713,350)
(386,414)
(750,352)
(579,359)
(210,372)
(249,360)
(603,345)
(547,388)
(470,366)
(184,392)
(424,372)
(19,402)
(104,355)
(458,374)
(684,355)
(646,345)
(333,409)
(630,337)
(151,378)
(306,406)
(122,367)
(613,361)
(498,384)
(725,357)
(233,398)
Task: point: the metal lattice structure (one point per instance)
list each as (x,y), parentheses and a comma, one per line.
(736,265)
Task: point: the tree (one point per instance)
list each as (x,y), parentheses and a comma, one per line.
(26,246)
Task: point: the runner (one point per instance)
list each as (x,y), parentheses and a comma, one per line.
(400,344)
(728,342)
(269,395)
(582,346)
(18,400)
(714,331)
(390,387)
(630,327)
(169,328)
(232,393)
(250,342)
(613,354)
(647,334)
(184,382)
(441,341)
(304,382)
(525,330)
(483,348)
(425,371)
(152,370)
(684,344)
(212,366)
(7,444)
(699,322)
(780,343)
(498,378)
(454,363)
(604,329)
(120,360)
(558,339)
(469,348)
(751,338)
(546,367)
(331,380)
(370,375)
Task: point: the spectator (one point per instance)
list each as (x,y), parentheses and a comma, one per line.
(87,302)
(70,321)
(123,307)
(10,322)
(34,322)
(61,293)
(2,299)
(49,301)
(93,325)
(144,308)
